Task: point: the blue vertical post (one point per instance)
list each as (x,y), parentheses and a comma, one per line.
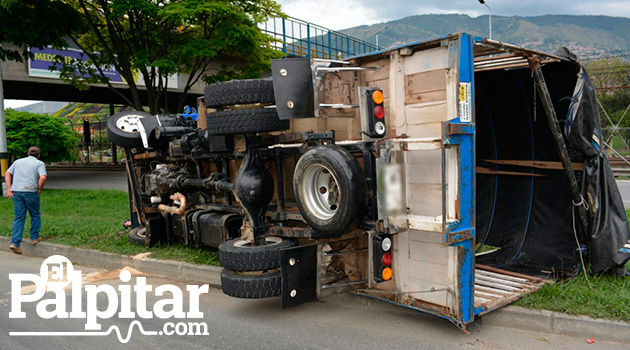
(308,39)
(348,45)
(284,36)
(467,186)
(329,46)
(364,46)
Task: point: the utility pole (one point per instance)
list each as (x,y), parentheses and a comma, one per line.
(4,155)
(483,2)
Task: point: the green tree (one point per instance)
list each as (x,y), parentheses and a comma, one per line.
(611,78)
(36,23)
(56,140)
(208,40)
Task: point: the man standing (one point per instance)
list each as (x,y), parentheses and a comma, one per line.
(25,179)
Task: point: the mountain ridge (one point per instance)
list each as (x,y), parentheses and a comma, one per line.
(587,36)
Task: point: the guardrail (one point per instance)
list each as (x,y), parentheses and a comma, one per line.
(300,38)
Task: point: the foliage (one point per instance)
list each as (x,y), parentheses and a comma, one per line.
(93,219)
(611,78)
(35,23)
(55,139)
(209,40)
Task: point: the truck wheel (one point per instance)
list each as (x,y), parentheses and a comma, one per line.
(251,286)
(330,190)
(238,92)
(137,235)
(245,121)
(122,128)
(238,254)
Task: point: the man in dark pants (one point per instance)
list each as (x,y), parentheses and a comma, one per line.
(25,179)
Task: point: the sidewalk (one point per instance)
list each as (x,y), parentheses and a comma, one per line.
(510,316)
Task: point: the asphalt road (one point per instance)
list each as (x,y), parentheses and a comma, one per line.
(340,322)
(117,180)
(63,179)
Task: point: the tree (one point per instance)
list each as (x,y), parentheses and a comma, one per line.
(35,23)
(209,40)
(56,140)
(611,78)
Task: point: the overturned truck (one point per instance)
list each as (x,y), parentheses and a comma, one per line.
(388,174)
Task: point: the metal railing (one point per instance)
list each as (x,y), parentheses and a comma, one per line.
(303,39)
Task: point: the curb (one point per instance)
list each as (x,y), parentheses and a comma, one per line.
(507,317)
(165,268)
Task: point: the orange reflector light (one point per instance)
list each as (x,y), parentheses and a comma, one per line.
(379,112)
(377,97)
(387,274)
(387,259)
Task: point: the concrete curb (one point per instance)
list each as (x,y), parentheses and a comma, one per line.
(166,268)
(509,317)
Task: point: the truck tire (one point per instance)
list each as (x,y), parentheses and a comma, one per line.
(240,255)
(121,131)
(330,190)
(238,92)
(245,121)
(137,235)
(251,286)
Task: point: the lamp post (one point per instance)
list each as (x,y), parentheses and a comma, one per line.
(377,33)
(483,2)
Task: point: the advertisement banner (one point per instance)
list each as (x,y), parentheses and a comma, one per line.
(38,66)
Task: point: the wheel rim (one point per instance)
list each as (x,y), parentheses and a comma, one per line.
(320,190)
(241,243)
(129,123)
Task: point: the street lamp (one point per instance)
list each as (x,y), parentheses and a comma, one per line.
(489,17)
(377,33)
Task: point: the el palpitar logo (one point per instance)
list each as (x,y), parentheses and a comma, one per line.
(57,273)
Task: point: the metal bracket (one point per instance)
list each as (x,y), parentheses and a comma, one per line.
(299,275)
(460,235)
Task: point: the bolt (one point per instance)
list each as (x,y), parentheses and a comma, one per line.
(283,72)
(290,104)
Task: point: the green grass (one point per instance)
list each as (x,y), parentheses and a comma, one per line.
(93,219)
(609,296)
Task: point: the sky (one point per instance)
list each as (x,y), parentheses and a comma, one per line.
(336,14)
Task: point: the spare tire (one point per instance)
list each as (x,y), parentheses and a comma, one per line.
(238,254)
(251,286)
(244,121)
(137,235)
(330,190)
(122,128)
(237,92)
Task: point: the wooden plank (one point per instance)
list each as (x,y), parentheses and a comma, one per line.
(421,251)
(429,112)
(426,237)
(496,285)
(501,281)
(509,273)
(425,86)
(424,157)
(427,60)
(482,170)
(380,74)
(492,290)
(540,164)
(500,275)
(424,130)
(424,173)
(202,118)
(430,272)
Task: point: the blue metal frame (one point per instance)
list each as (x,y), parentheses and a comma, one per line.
(465,138)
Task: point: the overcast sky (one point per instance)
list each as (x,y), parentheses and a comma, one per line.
(341,14)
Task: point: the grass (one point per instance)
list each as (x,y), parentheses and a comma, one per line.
(94,220)
(609,296)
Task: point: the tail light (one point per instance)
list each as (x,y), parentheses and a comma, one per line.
(372,112)
(382,258)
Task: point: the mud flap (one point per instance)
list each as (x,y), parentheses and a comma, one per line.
(299,275)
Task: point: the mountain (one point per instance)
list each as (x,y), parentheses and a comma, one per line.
(587,36)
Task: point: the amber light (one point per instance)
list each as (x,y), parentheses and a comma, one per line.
(387,274)
(377,97)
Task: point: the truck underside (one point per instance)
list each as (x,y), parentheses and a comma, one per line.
(304,193)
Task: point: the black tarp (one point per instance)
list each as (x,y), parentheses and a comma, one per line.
(530,217)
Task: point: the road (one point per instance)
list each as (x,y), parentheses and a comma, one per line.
(340,322)
(117,180)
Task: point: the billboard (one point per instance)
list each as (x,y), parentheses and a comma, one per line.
(38,66)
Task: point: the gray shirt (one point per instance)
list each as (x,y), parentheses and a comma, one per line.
(26,173)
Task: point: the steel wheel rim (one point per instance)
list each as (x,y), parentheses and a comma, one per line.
(241,243)
(129,123)
(320,190)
